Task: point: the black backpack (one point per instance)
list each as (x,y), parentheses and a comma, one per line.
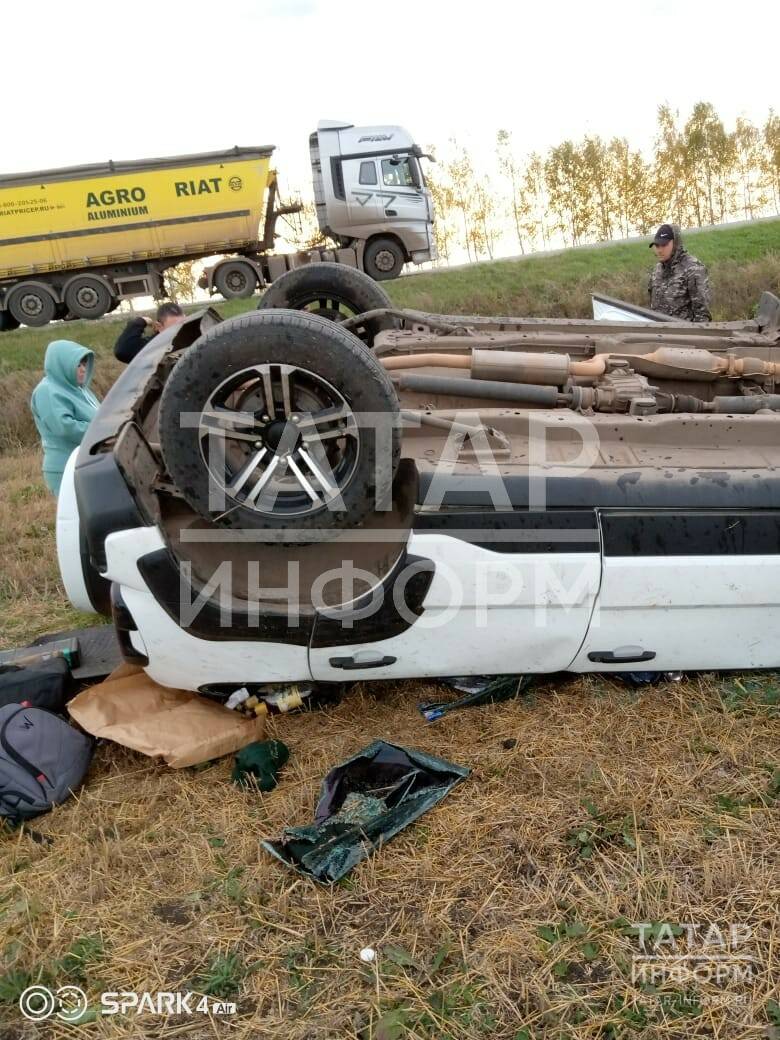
(42,760)
(44,685)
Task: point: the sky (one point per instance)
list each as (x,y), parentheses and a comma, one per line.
(88,81)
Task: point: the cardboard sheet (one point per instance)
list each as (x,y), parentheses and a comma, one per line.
(177,725)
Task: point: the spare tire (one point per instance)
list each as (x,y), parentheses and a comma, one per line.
(332,291)
(291,426)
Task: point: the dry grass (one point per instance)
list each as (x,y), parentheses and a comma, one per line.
(153,879)
(32,600)
(155,876)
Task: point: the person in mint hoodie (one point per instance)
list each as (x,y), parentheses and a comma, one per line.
(63,405)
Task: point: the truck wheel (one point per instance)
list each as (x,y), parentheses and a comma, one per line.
(332,291)
(383,259)
(88,298)
(236,280)
(31,305)
(292,426)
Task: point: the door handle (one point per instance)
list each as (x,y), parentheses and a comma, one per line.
(623,655)
(391,213)
(352,664)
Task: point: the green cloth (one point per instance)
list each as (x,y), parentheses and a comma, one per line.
(259,763)
(62,409)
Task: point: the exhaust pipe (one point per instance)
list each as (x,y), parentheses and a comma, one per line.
(553,369)
(522,393)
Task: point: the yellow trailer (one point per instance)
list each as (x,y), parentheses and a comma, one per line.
(75,241)
(81,238)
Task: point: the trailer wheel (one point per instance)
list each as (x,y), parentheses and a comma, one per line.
(236,280)
(332,291)
(383,259)
(291,426)
(88,298)
(32,305)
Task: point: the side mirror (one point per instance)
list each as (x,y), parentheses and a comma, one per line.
(420,154)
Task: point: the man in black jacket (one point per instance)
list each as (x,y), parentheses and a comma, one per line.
(138,331)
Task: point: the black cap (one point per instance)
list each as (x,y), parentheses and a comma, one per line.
(664,234)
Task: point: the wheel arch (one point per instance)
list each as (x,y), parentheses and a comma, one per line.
(51,289)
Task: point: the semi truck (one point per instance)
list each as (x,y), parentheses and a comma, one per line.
(76,241)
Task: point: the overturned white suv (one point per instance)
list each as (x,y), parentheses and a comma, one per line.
(331,488)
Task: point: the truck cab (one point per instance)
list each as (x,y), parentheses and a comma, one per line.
(369,188)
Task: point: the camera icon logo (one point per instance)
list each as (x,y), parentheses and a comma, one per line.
(38,1003)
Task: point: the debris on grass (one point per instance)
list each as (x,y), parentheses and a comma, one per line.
(365,802)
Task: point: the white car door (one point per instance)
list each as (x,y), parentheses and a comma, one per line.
(479,600)
(686,590)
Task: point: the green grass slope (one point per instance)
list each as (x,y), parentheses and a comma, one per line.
(743,261)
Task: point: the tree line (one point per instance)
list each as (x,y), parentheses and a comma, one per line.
(698,172)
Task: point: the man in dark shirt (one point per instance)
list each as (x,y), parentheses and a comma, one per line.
(138,331)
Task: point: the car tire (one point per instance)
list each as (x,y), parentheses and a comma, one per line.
(383,259)
(332,291)
(315,374)
(236,280)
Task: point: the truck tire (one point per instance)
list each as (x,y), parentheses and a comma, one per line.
(383,259)
(88,297)
(332,291)
(236,280)
(305,466)
(32,305)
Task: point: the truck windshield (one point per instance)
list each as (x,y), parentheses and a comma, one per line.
(398,173)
